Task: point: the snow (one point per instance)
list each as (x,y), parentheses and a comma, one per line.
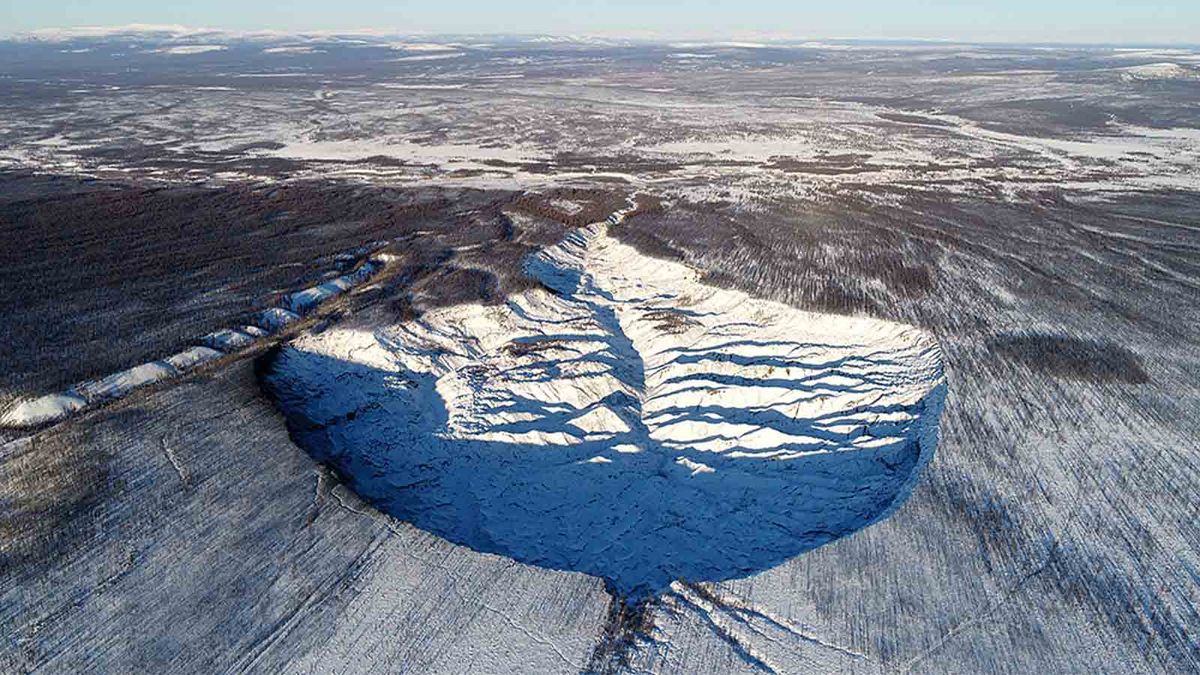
(191,358)
(1160,71)
(33,413)
(198,515)
(227,340)
(120,384)
(695,467)
(40,411)
(423,47)
(276,319)
(292,50)
(254,331)
(700,145)
(430,57)
(188,50)
(429,86)
(309,299)
(452,155)
(718,45)
(971,572)
(280,75)
(633,424)
(72,33)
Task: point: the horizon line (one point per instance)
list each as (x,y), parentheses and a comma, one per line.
(749,40)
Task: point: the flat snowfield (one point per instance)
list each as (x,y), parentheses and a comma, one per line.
(624,420)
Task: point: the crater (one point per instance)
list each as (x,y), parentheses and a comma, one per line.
(621,419)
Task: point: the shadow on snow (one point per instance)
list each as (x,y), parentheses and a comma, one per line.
(640,518)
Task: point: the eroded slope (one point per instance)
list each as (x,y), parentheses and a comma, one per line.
(622,420)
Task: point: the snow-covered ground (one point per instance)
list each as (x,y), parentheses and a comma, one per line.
(994,122)
(1161,71)
(981,193)
(188,50)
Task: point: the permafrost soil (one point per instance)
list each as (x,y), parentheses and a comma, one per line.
(624,420)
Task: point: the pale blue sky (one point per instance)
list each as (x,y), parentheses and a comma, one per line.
(1127,21)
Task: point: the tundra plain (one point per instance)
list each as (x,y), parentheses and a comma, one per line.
(996,247)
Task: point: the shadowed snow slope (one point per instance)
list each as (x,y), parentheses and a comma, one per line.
(629,422)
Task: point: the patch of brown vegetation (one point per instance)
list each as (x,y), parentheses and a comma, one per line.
(596,205)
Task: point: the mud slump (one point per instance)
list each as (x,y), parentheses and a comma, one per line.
(622,419)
